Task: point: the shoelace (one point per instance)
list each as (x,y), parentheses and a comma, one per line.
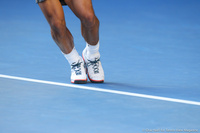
(76,66)
(95,65)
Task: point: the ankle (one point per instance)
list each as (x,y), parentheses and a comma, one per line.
(72,57)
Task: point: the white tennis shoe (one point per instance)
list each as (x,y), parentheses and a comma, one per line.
(78,72)
(94,68)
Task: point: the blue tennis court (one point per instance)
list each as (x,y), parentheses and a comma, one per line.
(150,51)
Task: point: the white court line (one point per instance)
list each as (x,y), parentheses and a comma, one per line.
(103,90)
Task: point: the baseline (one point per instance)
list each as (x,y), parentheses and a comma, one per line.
(103,90)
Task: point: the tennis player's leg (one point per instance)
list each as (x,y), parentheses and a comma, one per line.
(83,9)
(53,11)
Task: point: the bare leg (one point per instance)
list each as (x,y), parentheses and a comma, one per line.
(53,11)
(90,31)
(89,22)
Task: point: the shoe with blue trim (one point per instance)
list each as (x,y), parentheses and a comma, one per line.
(94,68)
(78,72)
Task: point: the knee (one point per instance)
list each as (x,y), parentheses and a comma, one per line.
(89,20)
(57,25)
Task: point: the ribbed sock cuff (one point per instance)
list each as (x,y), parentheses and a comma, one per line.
(92,49)
(72,57)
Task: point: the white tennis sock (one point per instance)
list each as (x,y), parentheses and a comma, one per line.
(92,50)
(72,57)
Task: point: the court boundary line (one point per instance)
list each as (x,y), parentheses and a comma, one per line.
(103,90)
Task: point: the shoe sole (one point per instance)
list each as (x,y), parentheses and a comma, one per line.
(95,81)
(79,81)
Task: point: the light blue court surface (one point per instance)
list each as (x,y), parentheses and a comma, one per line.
(150,51)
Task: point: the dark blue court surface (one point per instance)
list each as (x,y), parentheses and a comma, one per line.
(150,51)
